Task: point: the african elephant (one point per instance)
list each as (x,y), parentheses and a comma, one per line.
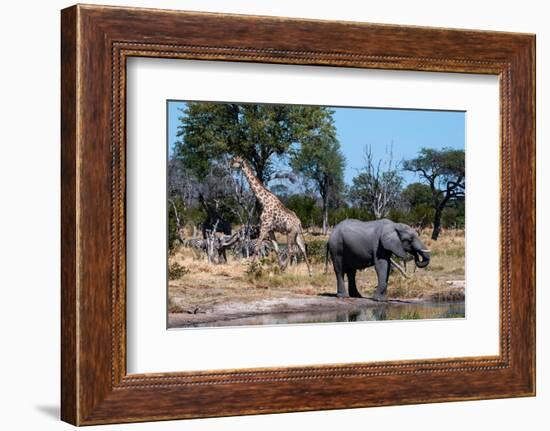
(354,244)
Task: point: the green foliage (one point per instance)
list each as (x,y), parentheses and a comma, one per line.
(305,208)
(444,172)
(421,215)
(254,270)
(337,215)
(193,216)
(211,131)
(187,216)
(454,216)
(397,215)
(316,250)
(417,194)
(173,236)
(201,185)
(319,159)
(260,268)
(441,166)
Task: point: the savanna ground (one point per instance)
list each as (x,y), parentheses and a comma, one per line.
(199,292)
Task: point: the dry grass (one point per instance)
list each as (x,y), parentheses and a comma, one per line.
(201,285)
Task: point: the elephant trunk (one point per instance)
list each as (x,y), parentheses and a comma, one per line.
(422,258)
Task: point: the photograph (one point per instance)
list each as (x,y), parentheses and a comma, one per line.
(289,214)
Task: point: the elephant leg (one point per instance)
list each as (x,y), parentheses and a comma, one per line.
(338,270)
(352,287)
(382,271)
(341,286)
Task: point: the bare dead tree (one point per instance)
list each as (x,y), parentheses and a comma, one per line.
(223,243)
(210,238)
(181,183)
(245,202)
(378,185)
(179,224)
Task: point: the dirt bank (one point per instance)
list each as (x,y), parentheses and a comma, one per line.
(231,311)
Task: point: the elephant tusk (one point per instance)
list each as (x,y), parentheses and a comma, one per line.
(399,267)
(427,250)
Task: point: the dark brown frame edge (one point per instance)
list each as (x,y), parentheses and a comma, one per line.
(95,42)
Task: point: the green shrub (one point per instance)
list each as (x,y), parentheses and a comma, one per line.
(306,209)
(316,250)
(254,270)
(176,271)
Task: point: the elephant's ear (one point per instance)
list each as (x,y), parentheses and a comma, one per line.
(390,241)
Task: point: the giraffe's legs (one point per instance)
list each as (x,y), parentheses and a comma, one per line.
(289,251)
(275,247)
(295,239)
(302,246)
(263,233)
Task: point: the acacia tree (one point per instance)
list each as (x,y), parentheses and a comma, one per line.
(378,186)
(320,160)
(444,172)
(209,132)
(416,200)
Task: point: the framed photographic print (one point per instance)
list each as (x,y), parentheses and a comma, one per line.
(265,214)
(311,184)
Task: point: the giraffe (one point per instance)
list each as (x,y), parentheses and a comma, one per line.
(275,217)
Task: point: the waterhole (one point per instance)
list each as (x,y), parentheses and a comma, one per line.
(376,312)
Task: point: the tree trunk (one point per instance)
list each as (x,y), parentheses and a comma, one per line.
(325,216)
(437,223)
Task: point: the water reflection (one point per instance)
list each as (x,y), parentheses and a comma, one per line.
(382,311)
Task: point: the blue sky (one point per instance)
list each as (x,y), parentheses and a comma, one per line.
(405,131)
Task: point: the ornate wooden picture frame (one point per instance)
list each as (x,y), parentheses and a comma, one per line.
(96,42)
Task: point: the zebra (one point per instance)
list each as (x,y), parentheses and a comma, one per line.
(245,248)
(283,251)
(196,243)
(218,246)
(241,248)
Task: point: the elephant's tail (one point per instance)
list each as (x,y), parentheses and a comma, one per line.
(326,258)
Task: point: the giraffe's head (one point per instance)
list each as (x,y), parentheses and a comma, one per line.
(237,162)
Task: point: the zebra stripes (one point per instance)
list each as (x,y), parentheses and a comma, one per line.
(196,243)
(243,248)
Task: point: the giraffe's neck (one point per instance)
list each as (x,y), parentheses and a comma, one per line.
(255,184)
